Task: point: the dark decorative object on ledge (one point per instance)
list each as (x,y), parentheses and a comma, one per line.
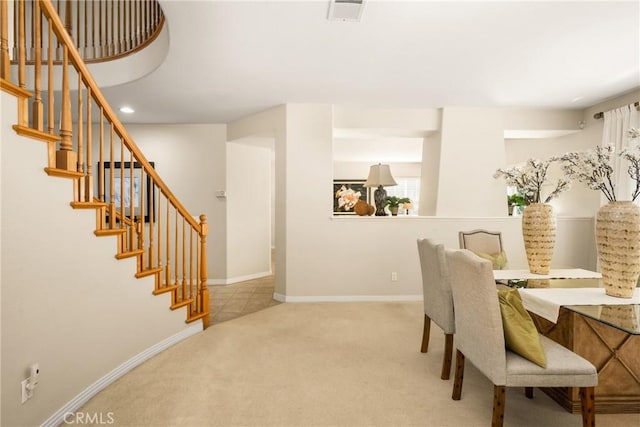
(380,176)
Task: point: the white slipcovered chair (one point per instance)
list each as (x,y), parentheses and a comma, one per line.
(438,303)
(480,339)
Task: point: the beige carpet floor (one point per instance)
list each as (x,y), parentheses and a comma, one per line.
(317,364)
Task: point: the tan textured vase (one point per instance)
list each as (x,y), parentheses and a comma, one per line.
(618,241)
(539,235)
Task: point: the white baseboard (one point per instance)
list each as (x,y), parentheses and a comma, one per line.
(232,280)
(347,298)
(58,417)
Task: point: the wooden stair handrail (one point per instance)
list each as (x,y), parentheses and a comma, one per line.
(83,70)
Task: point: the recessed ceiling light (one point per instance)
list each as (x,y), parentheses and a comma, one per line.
(127,110)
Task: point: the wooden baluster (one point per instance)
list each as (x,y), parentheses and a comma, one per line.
(159,229)
(175,254)
(80,165)
(139,22)
(167,268)
(184,263)
(66,158)
(142,211)
(58,7)
(88,185)
(5,61)
(112,43)
(191,282)
(30,35)
(85,31)
(150,213)
(122,178)
(93,28)
(37,111)
(23,105)
(112,196)
(100,39)
(101,183)
(121,21)
(132,210)
(68,18)
(147,19)
(77,25)
(139,227)
(85,48)
(131,30)
(204,290)
(50,84)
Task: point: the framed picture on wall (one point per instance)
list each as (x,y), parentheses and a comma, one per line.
(124,178)
(346,193)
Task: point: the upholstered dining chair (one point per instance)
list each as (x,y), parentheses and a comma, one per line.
(438,303)
(480,339)
(486,244)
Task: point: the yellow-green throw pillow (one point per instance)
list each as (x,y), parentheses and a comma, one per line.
(499,261)
(520,334)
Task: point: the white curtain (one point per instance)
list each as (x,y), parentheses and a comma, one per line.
(616,124)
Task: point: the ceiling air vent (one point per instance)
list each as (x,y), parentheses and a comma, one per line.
(345,10)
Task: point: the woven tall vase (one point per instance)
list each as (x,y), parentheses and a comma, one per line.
(618,242)
(539,235)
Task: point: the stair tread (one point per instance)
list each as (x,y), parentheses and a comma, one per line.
(148,272)
(129,254)
(195,317)
(110,232)
(36,134)
(63,173)
(88,205)
(164,289)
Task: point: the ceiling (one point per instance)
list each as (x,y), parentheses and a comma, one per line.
(229,59)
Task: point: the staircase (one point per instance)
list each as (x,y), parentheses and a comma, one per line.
(60,104)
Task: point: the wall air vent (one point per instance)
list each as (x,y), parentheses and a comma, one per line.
(345,10)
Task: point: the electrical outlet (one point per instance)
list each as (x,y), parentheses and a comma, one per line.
(26,392)
(394,276)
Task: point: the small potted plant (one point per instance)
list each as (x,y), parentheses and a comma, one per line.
(516,203)
(394,203)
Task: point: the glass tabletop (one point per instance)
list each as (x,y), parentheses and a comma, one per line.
(624,317)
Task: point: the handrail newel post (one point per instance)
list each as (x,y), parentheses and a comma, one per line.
(204,290)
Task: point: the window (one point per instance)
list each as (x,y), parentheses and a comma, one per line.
(407,187)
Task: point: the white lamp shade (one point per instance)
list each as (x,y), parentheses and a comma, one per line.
(380,175)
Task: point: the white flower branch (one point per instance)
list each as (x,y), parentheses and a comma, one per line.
(530,178)
(595,169)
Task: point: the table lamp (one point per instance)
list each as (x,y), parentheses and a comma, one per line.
(380,176)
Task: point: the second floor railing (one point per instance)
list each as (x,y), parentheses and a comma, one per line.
(100,29)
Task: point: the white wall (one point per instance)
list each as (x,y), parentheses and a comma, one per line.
(429,182)
(330,257)
(191,161)
(471,149)
(248,212)
(271,124)
(67,303)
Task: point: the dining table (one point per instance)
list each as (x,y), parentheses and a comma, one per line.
(570,306)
